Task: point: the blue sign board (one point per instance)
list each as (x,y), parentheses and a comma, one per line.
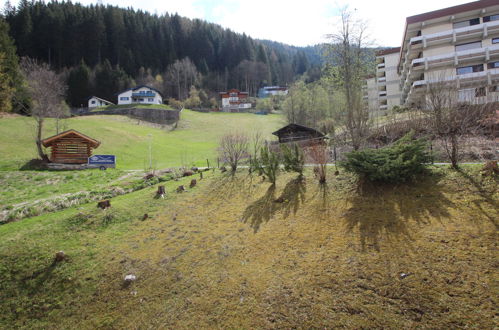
(102,160)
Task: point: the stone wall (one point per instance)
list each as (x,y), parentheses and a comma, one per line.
(157,116)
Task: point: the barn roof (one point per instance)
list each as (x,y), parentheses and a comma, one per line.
(50,140)
(299,128)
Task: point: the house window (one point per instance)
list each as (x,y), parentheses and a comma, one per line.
(124,98)
(470,22)
(141,100)
(491,18)
(469,45)
(480,91)
(493,65)
(494,88)
(150,100)
(469,69)
(93,102)
(495,40)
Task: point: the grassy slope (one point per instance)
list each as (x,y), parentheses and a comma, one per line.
(194,141)
(224,254)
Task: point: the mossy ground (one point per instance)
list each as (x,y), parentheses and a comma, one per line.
(225,254)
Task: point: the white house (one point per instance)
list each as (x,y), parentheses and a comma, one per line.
(95,102)
(140,94)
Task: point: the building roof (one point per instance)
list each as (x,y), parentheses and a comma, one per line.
(98,98)
(475,5)
(50,140)
(138,87)
(388,51)
(297,127)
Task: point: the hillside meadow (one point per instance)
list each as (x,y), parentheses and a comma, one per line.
(194,140)
(237,252)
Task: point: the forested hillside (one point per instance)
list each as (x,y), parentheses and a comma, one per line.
(168,51)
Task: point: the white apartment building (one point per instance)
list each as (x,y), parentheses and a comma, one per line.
(387,78)
(457,45)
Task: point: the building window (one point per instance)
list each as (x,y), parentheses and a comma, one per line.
(469,45)
(493,65)
(469,69)
(480,91)
(495,40)
(150,99)
(493,89)
(491,18)
(124,98)
(93,102)
(470,22)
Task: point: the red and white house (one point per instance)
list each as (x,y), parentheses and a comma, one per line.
(234,101)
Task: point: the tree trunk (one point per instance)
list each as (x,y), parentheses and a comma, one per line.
(39,130)
(454,158)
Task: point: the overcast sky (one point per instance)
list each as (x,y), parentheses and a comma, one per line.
(299,23)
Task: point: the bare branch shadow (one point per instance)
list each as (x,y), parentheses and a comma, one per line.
(264,209)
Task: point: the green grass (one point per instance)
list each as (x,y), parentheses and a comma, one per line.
(30,193)
(225,254)
(195,140)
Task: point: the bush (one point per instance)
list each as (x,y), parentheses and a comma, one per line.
(266,164)
(400,162)
(293,158)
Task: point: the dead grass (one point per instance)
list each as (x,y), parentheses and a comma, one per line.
(227,255)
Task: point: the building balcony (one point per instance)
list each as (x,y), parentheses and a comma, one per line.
(483,30)
(380,66)
(456,58)
(381,79)
(383,107)
(470,80)
(144,94)
(382,94)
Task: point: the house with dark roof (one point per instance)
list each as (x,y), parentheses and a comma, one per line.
(140,95)
(296,133)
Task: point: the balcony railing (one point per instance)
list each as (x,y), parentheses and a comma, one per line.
(454,57)
(144,94)
(484,29)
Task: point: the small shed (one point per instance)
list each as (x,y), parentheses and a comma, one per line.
(70,147)
(295,133)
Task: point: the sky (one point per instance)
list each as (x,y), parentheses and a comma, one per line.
(298,23)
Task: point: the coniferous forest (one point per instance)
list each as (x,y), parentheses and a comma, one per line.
(103,49)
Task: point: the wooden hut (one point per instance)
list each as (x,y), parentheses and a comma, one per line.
(70,147)
(296,133)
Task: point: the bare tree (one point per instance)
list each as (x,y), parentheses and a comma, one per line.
(454,114)
(319,152)
(180,76)
(347,50)
(46,90)
(233,147)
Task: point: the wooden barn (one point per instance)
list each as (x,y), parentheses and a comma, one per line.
(295,133)
(70,147)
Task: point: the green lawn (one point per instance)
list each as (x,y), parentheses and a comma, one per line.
(226,254)
(194,141)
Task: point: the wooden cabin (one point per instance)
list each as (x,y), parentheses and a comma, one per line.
(296,133)
(70,147)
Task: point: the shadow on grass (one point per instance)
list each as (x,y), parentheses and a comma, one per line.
(381,212)
(487,196)
(263,209)
(36,281)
